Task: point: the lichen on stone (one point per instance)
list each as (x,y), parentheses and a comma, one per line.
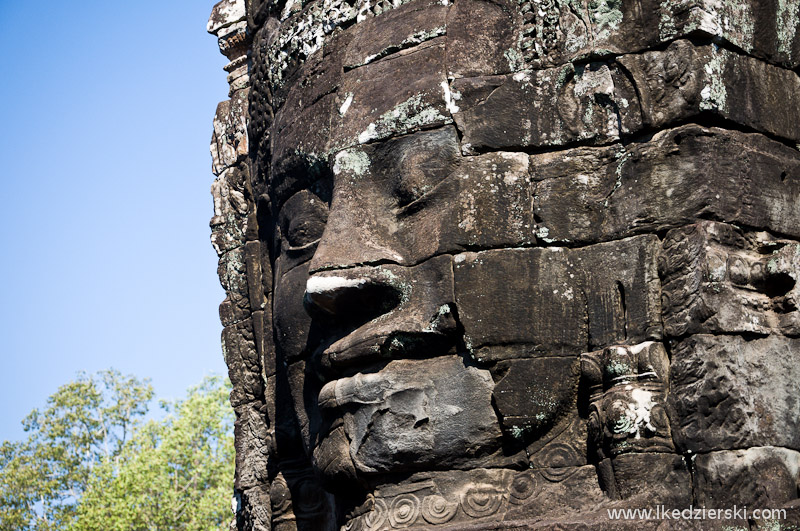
(406,116)
(353,161)
(786,21)
(715,92)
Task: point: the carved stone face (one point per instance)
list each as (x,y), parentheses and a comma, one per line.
(395,333)
(400,392)
(496,240)
(365,306)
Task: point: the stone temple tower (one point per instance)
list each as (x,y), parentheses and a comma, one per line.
(511,264)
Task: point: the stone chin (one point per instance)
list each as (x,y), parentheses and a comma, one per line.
(411,415)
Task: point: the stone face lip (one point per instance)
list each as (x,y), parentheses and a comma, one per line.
(415,312)
(412,414)
(509,264)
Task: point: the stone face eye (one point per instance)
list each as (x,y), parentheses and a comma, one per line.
(419,176)
(302,220)
(420,163)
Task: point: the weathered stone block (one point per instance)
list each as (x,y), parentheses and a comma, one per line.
(485,204)
(232,272)
(717,278)
(401,28)
(558,301)
(302,390)
(622,291)
(553,491)
(229,141)
(556,33)
(728,392)
(225,13)
(552,107)
(598,102)
(229,224)
(369,112)
(563,446)
(319,75)
(253,445)
(432,201)
(282,408)
(300,502)
(481,38)
(684,80)
(595,194)
(300,146)
(767,28)
(786,516)
(535,319)
(759,478)
(253,507)
(244,365)
(255,284)
(292,323)
(264,341)
(534,394)
(653,479)
(301,31)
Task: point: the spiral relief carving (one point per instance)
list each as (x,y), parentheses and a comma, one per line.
(557,475)
(558,455)
(404,510)
(437,510)
(353,525)
(310,499)
(523,487)
(482,500)
(377,517)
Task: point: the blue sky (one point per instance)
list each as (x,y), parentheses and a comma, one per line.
(106,120)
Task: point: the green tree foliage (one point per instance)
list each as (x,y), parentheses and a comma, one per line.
(85,423)
(175,474)
(90,463)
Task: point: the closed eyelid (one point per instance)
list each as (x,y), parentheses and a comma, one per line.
(304,246)
(416,203)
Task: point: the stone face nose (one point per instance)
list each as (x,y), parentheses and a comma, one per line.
(353,237)
(384,311)
(352,296)
(362,226)
(323,291)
